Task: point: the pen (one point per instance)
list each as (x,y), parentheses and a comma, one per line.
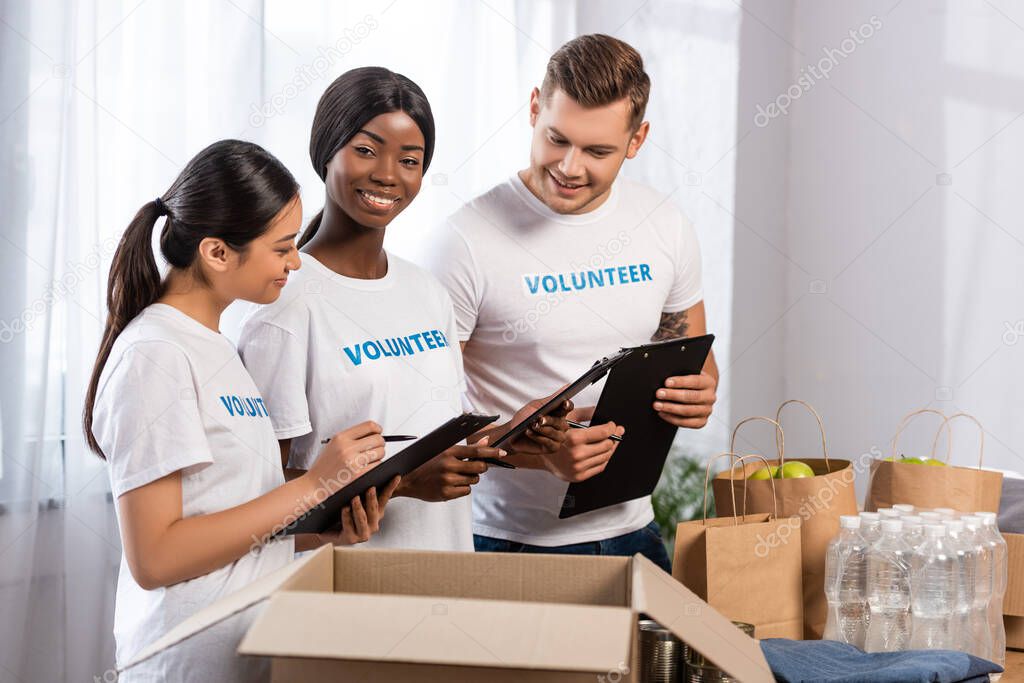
(495,462)
(388,438)
(580,425)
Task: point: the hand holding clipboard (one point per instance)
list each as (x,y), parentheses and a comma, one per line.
(636,467)
(556,402)
(370,474)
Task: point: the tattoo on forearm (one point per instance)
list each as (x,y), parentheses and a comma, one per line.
(672,326)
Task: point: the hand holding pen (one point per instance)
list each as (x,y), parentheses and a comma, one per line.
(388,438)
(579,425)
(587,448)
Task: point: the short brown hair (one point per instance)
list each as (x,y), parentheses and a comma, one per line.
(596,70)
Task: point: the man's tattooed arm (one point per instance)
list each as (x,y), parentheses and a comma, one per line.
(672,326)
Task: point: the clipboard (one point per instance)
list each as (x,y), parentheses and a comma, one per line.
(626,399)
(327,515)
(598,370)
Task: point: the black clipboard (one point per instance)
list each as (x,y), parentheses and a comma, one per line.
(327,514)
(596,372)
(626,399)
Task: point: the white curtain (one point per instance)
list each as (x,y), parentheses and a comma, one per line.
(102,102)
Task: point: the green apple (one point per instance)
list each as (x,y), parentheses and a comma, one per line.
(934,463)
(794,469)
(765,473)
(913,461)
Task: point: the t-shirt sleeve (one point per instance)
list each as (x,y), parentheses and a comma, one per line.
(146,417)
(451,260)
(451,332)
(687,286)
(277,361)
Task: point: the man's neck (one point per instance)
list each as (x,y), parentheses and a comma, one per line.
(526,175)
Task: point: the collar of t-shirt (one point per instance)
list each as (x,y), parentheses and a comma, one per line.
(318,269)
(530,199)
(186,321)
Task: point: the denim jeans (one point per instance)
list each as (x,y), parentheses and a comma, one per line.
(646,541)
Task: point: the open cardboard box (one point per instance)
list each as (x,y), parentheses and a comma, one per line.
(392,615)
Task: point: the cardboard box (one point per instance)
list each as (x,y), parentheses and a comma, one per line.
(386,615)
(1013,601)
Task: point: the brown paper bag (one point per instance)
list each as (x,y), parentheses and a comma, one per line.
(967,489)
(818,501)
(746,567)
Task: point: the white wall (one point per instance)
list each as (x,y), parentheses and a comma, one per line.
(752,377)
(902,175)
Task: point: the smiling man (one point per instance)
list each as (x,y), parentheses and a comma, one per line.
(560,265)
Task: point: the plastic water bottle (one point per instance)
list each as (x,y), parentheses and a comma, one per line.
(888,513)
(913,532)
(930,517)
(933,593)
(869,527)
(994,540)
(981,592)
(845,584)
(947,513)
(904,508)
(888,590)
(962,550)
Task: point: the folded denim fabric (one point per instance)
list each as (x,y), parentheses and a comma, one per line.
(829,661)
(1011,505)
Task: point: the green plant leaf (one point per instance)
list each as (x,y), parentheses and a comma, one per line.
(679,496)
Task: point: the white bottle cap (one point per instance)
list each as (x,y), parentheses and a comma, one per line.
(911,521)
(945,511)
(905,508)
(869,516)
(986,515)
(934,530)
(849,521)
(889,513)
(972,521)
(954,526)
(892,526)
(930,516)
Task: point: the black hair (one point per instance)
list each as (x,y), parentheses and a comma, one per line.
(232,191)
(353,99)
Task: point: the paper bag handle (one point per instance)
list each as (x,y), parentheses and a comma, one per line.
(910,416)
(949,435)
(707,479)
(775,499)
(732,483)
(821,428)
(780,438)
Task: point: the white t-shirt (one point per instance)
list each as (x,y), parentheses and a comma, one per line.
(334,351)
(540,296)
(174,396)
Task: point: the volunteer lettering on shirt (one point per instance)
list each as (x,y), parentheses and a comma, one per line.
(588,279)
(242,406)
(395,347)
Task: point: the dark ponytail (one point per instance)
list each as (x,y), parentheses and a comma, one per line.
(353,99)
(232,190)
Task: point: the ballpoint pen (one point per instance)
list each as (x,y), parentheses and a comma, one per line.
(580,425)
